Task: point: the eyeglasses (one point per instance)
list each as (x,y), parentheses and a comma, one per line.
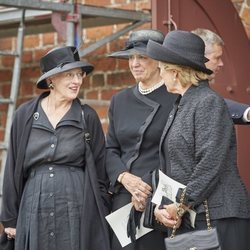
(71,75)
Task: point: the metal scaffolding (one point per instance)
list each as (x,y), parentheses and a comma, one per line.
(44,17)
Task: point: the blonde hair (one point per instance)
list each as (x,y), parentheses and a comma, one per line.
(186,75)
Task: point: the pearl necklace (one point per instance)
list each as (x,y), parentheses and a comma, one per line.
(149,90)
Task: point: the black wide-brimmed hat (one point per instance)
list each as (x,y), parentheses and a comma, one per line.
(181,48)
(60,60)
(137,43)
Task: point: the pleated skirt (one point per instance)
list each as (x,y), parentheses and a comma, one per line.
(50,211)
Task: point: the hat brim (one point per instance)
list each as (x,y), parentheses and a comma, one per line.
(163,54)
(125,54)
(86,67)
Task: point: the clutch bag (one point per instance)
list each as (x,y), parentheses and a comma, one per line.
(194,240)
(149,218)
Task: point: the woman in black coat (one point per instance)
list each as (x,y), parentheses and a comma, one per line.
(53,190)
(198,145)
(137,116)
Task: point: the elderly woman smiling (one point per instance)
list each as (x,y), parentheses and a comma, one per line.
(50,194)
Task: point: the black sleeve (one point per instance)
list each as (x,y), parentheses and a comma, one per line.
(237,110)
(97,144)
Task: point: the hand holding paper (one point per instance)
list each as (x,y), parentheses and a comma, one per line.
(168,187)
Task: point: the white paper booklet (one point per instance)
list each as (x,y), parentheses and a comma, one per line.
(118,221)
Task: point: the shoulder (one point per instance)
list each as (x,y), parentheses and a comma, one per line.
(26,109)
(236,105)
(90,115)
(88,110)
(30,106)
(27,105)
(206,95)
(123,93)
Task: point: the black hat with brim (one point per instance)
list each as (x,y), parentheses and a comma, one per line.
(60,60)
(180,48)
(137,43)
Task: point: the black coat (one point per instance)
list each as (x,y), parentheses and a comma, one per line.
(136,124)
(198,149)
(135,127)
(94,227)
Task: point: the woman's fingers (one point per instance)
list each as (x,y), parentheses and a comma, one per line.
(11,233)
(139,206)
(136,186)
(163,217)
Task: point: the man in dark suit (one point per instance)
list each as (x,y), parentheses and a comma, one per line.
(240,112)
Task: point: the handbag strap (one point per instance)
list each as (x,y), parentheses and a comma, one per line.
(205,204)
(154,185)
(87,136)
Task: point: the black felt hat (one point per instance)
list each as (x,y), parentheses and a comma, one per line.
(137,43)
(60,60)
(181,48)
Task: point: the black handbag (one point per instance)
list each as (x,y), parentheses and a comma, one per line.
(194,240)
(149,218)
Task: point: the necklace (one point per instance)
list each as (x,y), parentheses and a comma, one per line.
(149,90)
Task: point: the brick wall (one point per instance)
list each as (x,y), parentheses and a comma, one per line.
(110,75)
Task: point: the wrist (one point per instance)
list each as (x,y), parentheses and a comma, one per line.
(180,209)
(121,176)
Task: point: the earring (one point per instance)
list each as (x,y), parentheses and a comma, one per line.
(51,86)
(174,79)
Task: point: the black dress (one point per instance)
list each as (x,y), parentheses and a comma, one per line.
(50,211)
(126,132)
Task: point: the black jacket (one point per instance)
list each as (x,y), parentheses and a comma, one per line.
(95,235)
(200,152)
(135,127)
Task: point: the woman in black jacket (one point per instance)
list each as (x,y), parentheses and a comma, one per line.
(52,190)
(198,145)
(137,116)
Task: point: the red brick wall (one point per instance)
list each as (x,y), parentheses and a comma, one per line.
(110,75)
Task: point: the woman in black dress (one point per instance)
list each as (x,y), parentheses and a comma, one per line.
(137,117)
(50,194)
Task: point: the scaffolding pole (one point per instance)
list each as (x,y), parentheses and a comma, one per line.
(11,101)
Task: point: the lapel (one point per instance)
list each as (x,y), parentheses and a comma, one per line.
(155,106)
(167,127)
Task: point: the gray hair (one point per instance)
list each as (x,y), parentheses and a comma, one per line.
(209,37)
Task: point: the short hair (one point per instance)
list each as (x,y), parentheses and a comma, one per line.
(186,74)
(209,37)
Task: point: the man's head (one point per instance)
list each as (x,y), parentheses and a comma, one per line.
(213,50)
(142,67)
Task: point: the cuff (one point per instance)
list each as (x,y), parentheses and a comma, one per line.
(187,201)
(245,118)
(10,223)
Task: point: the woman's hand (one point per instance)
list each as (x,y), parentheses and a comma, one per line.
(137,187)
(167,216)
(11,233)
(139,205)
